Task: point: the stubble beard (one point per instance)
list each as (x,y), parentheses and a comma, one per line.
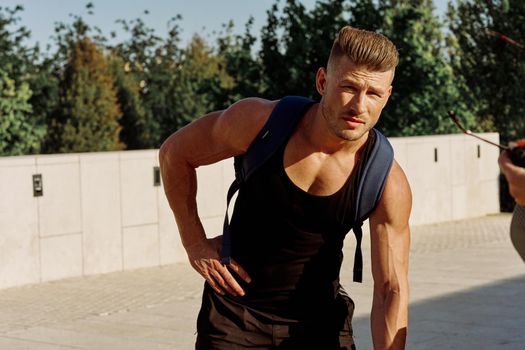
(333,124)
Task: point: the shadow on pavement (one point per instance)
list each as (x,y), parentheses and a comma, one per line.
(487,317)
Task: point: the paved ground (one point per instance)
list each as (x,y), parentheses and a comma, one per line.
(467,292)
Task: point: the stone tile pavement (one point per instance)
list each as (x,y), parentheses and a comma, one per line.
(467,292)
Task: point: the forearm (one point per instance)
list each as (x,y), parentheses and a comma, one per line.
(180,186)
(389,317)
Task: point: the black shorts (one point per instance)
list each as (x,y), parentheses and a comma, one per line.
(226,325)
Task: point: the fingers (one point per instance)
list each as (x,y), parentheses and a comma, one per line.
(240,271)
(205,259)
(221,279)
(218,283)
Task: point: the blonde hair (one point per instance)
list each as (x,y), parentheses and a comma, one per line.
(364,48)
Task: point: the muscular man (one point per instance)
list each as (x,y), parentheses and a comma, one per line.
(281,290)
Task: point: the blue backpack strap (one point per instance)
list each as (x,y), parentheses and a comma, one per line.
(369,192)
(277,130)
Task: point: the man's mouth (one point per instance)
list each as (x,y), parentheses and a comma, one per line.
(353,121)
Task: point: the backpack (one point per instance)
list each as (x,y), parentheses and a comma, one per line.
(277,130)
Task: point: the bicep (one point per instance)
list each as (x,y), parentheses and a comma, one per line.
(219,135)
(389,230)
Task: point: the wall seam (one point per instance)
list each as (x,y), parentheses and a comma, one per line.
(38,225)
(121,211)
(83,231)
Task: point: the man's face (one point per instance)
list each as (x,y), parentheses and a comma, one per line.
(352,97)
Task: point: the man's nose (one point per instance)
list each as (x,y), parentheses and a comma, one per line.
(358,103)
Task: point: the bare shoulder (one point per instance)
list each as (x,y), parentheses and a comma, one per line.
(396,202)
(397,183)
(218,135)
(242,121)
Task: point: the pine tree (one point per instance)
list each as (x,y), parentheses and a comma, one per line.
(199,77)
(135,133)
(89,115)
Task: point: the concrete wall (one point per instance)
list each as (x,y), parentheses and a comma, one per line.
(100,212)
(452,176)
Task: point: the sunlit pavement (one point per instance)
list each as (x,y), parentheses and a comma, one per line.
(467,292)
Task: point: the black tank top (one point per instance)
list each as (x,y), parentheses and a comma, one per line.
(289,241)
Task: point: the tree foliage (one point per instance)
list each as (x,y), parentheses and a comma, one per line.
(90,93)
(135,133)
(89,112)
(424,88)
(296,43)
(18,132)
(199,78)
(177,84)
(22,127)
(492,68)
(245,70)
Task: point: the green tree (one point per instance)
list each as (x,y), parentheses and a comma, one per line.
(20,76)
(44,79)
(14,55)
(18,132)
(152,62)
(296,43)
(275,67)
(135,133)
(366,14)
(424,88)
(325,20)
(199,76)
(240,64)
(492,68)
(89,113)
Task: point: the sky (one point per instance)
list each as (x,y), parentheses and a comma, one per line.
(198,16)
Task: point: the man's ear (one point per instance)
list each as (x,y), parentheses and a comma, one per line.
(389,93)
(320,80)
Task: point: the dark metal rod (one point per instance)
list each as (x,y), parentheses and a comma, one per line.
(455,119)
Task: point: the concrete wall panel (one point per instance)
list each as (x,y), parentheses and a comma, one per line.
(141,246)
(101,208)
(139,196)
(211,199)
(19,258)
(171,250)
(488,154)
(460,202)
(61,256)
(59,207)
(490,195)
(213,226)
(457,157)
(111,217)
(400,151)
